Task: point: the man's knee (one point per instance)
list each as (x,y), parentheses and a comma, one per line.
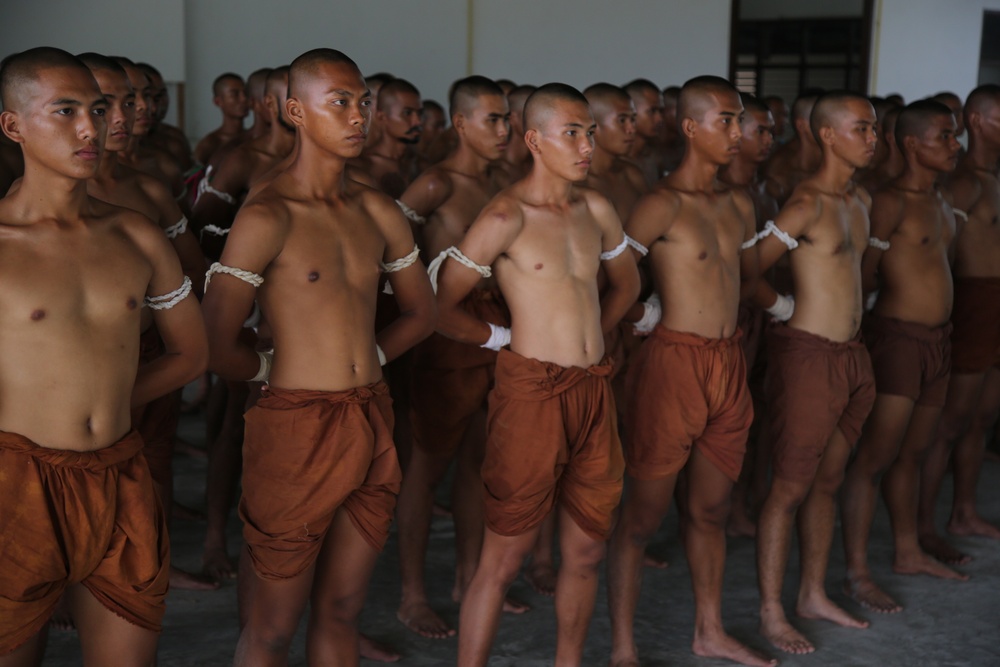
(710,514)
(787,495)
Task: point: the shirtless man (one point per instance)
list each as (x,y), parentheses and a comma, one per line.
(242,166)
(953,102)
(164,136)
(974,191)
(892,164)
(820,386)
(694,227)
(11,163)
(229,94)
(744,173)
(76,272)
(611,173)
(256,90)
(779,109)
(123,186)
(794,161)
(318,452)
(433,121)
(398,117)
(517,157)
(671,143)
(912,228)
(648,102)
(552,425)
(451,379)
(140,155)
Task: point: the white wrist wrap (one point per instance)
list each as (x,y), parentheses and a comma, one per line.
(499,337)
(264,372)
(652,312)
(782,309)
(878,243)
(381,355)
(871,300)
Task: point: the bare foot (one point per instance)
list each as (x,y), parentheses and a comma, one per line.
(419,617)
(922,563)
(542,578)
(722,645)
(216,564)
(741,525)
(866,593)
(783,636)
(653,560)
(373,650)
(625,662)
(185,513)
(938,548)
(823,609)
(186,581)
(973,526)
(440,510)
(512,606)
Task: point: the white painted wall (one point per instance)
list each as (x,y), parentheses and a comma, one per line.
(581,42)
(788,9)
(145,31)
(921,47)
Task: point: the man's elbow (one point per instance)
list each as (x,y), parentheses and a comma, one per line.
(427,316)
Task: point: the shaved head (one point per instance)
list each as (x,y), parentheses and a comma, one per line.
(99,63)
(698,96)
(640,86)
(392,89)
(982,99)
(257,83)
(276,82)
(517,97)
(601,97)
(19,71)
(803,105)
(539,106)
(830,107)
(222,79)
(306,67)
(465,93)
(915,119)
(751,103)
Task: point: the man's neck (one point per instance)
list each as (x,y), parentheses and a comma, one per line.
(279,141)
(834,175)
(389,148)
(107,168)
(695,174)
(601,161)
(543,187)
(231,126)
(44,194)
(319,172)
(467,161)
(981,155)
(917,178)
(740,172)
(517,151)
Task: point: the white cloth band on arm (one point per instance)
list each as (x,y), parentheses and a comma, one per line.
(752,241)
(435,266)
(410,214)
(652,312)
(246,276)
(878,243)
(499,337)
(381,355)
(401,263)
(782,309)
(619,249)
(772,229)
(871,301)
(173,231)
(169,300)
(215,230)
(205,188)
(264,372)
(639,248)
(959,213)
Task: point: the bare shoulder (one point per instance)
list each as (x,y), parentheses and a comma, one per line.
(804,205)
(963,188)
(138,227)
(266,209)
(506,209)
(865,197)
(599,205)
(742,200)
(153,187)
(436,181)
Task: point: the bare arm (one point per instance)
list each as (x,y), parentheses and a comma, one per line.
(490,236)
(622,288)
(749,257)
(886,216)
(649,222)
(257,237)
(186,246)
(428,192)
(181,327)
(231,179)
(411,287)
(794,219)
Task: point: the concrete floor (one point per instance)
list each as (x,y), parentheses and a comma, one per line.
(943,624)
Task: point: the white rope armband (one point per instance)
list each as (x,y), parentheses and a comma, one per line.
(772,229)
(205,188)
(170,299)
(246,276)
(878,243)
(752,241)
(499,337)
(635,245)
(410,214)
(783,308)
(871,301)
(959,213)
(264,372)
(173,231)
(435,266)
(381,355)
(652,312)
(618,249)
(215,230)
(401,263)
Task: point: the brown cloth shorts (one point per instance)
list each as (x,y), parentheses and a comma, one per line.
(814,386)
(552,431)
(910,359)
(451,381)
(307,453)
(69,517)
(684,389)
(975,339)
